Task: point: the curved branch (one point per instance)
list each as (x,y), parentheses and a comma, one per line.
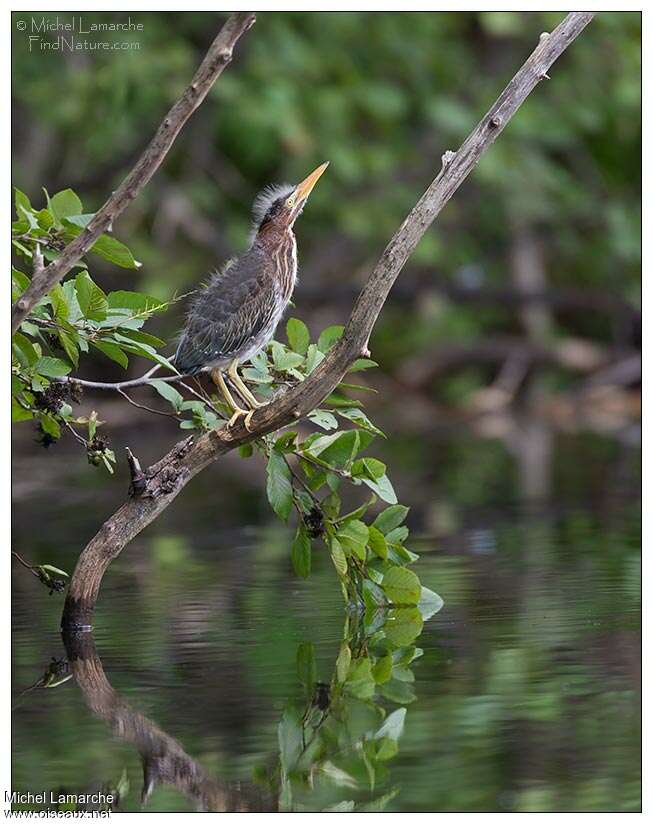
(164,760)
(217,58)
(166,479)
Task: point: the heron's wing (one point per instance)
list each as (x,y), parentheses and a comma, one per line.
(226,316)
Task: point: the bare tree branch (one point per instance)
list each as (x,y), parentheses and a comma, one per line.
(169,476)
(217,58)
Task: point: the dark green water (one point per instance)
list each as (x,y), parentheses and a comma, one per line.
(527,696)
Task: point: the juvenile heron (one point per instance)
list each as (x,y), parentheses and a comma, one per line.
(235,316)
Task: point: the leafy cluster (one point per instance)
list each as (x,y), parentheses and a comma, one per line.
(339,738)
(50,576)
(305,475)
(76,316)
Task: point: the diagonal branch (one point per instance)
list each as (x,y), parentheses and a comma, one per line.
(216,60)
(166,479)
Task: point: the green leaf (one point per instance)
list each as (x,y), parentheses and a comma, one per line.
(59,299)
(338,449)
(397,535)
(358,417)
(393,726)
(382,670)
(402,586)
(323,418)
(279,485)
(19,413)
(92,300)
(387,750)
(65,203)
(338,557)
(255,376)
(429,603)
(169,393)
(343,663)
(22,248)
(300,553)
(137,336)
(55,570)
(49,425)
(329,337)
(283,358)
(359,511)
(377,543)
(313,358)
(354,536)
(51,367)
(383,488)
(135,302)
(361,364)
(45,219)
(360,682)
(80,220)
(24,349)
(28,214)
(112,351)
(68,338)
(286,442)
(403,626)
(290,738)
(340,401)
(143,349)
(19,282)
(390,518)
(298,335)
(368,467)
(306,667)
(398,554)
(108,248)
(92,425)
(21,200)
(398,691)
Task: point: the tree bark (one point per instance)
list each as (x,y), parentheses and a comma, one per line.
(165,480)
(216,60)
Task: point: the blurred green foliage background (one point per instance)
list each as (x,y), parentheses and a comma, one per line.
(382,96)
(527,695)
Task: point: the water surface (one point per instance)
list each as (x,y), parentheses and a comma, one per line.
(526,697)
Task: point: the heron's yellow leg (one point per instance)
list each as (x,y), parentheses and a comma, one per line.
(241,387)
(219,381)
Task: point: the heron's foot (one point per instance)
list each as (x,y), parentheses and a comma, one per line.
(238,414)
(242,388)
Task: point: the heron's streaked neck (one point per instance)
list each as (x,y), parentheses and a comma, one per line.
(273,235)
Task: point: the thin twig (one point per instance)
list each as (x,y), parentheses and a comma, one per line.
(148,408)
(204,397)
(75,434)
(27,565)
(300,480)
(217,58)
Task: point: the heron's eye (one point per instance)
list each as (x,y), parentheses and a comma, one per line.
(291,200)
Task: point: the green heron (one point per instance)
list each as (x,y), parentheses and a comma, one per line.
(236,315)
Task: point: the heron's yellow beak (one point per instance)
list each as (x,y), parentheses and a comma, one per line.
(304,189)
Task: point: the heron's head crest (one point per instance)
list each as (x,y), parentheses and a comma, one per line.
(268,201)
